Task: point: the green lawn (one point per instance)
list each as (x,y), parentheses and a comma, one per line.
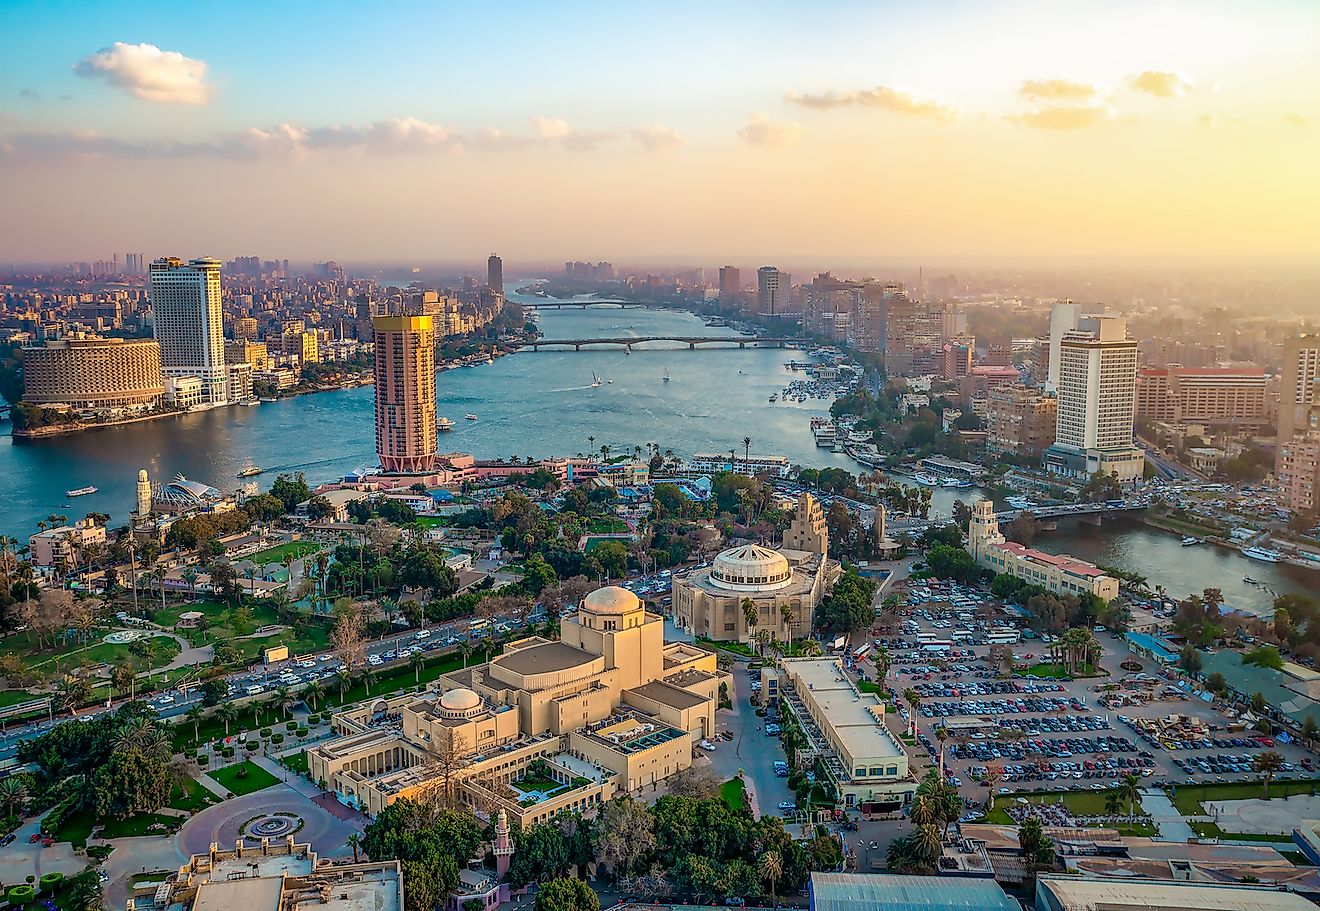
(1057,671)
(243,778)
(1297,858)
(72,652)
(1081,803)
(296,763)
(1189,798)
(606,525)
(734,793)
(280,552)
(742,648)
(77,827)
(191,797)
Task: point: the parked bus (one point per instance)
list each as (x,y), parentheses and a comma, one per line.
(936,647)
(1003,636)
(861,652)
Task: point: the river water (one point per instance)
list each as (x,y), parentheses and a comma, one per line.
(539,404)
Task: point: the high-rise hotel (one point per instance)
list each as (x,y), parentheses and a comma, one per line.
(1097,383)
(185,304)
(405,393)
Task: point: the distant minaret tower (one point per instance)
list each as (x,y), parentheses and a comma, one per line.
(143,495)
(503,846)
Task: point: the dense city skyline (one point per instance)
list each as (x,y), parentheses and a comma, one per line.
(857,132)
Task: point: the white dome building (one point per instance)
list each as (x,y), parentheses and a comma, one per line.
(710,601)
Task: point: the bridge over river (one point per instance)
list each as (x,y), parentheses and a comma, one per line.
(692,341)
(1089,511)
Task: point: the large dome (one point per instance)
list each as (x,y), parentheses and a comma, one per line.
(751,568)
(611,600)
(460,700)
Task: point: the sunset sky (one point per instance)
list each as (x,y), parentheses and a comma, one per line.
(865,132)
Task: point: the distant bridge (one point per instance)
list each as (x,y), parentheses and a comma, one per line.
(1077,509)
(692,341)
(552,304)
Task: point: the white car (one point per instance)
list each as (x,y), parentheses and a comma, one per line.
(707,746)
(374,659)
(326,657)
(167,699)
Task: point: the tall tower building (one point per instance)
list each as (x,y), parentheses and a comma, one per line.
(1097,395)
(1298,385)
(502,847)
(143,495)
(772,291)
(730,283)
(495,273)
(1063,318)
(405,393)
(185,304)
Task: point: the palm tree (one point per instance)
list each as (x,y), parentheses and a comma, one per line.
(811,648)
(284,700)
(190,576)
(1267,764)
(786,614)
(368,677)
(882,660)
(929,844)
(355,841)
(747,450)
(1113,802)
(749,615)
(74,690)
(13,792)
(770,867)
(923,810)
(313,692)
(344,678)
(228,713)
(941,734)
(124,679)
(465,649)
(1129,790)
(417,661)
(194,715)
(914,702)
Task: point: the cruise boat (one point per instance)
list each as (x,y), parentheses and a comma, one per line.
(959,483)
(251,471)
(1188,541)
(926,480)
(469,416)
(1018,502)
(443,424)
(80,491)
(1263,554)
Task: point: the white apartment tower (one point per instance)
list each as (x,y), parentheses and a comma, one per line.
(185,305)
(772,291)
(1063,318)
(1097,385)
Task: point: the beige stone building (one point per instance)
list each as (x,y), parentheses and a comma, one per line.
(1019,421)
(94,373)
(547,726)
(1059,574)
(246,351)
(405,393)
(784,586)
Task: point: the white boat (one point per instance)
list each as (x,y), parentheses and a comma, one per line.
(926,480)
(773,399)
(1188,541)
(1263,554)
(1018,502)
(80,491)
(595,381)
(1249,580)
(959,483)
(665,378)
(469,416)
(443,424)
(610,381)
(251,471)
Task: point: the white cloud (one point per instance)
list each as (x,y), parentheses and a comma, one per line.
(656,137)
(886,97)
(1065,117)
(557,130)
(148,72)
(760,130)
(551,127)
(1057,90)
(1160,83)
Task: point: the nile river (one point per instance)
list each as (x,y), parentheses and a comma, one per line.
(539,404)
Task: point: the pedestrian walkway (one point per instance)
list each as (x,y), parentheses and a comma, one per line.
(213,786)
(1171,824)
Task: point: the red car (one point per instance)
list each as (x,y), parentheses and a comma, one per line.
(34,838)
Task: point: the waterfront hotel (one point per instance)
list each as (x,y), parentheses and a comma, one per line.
(1058,574)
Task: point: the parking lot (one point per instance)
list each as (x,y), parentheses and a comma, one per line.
(1054,734)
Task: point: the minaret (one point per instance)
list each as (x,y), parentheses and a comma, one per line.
(143,495)
(503,846)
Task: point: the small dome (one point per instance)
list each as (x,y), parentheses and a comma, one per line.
(460,700)
(751,568)
(611,600)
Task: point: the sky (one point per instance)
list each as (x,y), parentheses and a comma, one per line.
(653,132)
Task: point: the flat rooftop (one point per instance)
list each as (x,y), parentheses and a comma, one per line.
(669,695)
(260,893)
(844,710)
(1080,894)
(544,658)
(885,892)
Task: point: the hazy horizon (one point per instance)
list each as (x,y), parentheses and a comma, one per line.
(1019,133)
